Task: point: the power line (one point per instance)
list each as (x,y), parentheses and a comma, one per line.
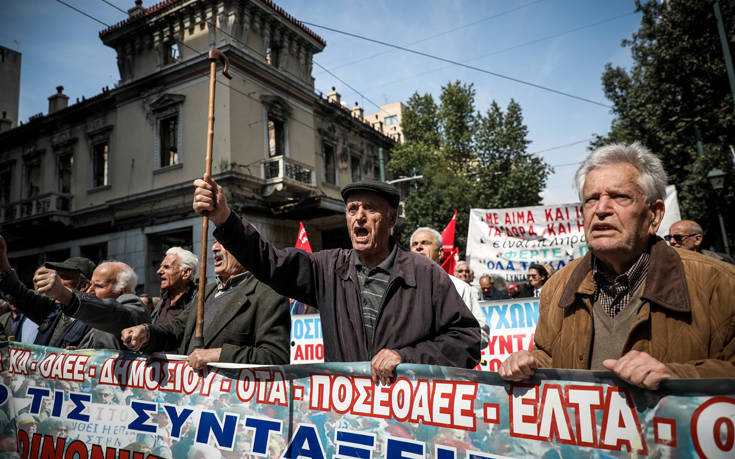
(446,32)
(82,12)
(115,6)
(563,146)
(520,45)
(348,85)
(460,64)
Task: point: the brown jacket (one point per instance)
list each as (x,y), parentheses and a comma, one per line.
(687,319)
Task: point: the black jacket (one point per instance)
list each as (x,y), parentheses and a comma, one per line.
(108,315)
(253,327)
(423,317)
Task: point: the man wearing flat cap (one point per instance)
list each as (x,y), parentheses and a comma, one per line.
(378,301)
(54,327)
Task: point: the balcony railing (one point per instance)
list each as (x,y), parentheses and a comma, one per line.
(280,169)
(35,207)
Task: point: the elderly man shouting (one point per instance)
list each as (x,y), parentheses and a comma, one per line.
(377,301)
(632,305)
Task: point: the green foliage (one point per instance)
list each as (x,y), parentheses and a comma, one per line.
(467,159)
(676,92)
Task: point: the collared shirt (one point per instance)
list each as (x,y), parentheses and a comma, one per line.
(232,282)
(168,311)
(614,293)
(373,284)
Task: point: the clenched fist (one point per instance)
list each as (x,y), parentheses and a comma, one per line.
(48,282)
(134,337)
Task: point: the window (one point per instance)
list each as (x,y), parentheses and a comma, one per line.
(376,169)
(100,165)
(172,53)
(355,168)
(330,169)
(168,134)
(32,178)
(95,252)
(276,137)
(65,168)
(6,177)
(391,120)
(271,56)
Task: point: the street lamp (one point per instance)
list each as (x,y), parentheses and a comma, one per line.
(716,178)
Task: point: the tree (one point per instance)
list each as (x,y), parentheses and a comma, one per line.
(675,95)
(467,159)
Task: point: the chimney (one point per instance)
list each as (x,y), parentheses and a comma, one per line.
(5,123)
(357,111)
(58,101)
(334,96)
(137,10)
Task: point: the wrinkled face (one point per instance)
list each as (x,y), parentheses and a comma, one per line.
(486,285)
(173,278)
(103,282)
(683,237)
(369,221)
(462,272)
(72,279)
(425,244)
(225,264)
(535,279)
(617,220)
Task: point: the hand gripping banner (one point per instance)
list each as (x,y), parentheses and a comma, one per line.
(104,404)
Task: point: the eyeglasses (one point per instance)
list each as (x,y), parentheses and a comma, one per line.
(462,270)
(533,276)
(679,238)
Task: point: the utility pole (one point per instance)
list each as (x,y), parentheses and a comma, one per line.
(725,49)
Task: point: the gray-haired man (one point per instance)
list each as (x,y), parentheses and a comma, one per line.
(632,305)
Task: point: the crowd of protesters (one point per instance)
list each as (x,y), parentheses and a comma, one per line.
(644,308)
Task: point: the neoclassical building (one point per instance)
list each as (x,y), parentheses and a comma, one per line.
(110,177)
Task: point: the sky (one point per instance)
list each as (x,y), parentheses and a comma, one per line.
(558,44)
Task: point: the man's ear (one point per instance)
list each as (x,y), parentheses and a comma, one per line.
(187,272)
(657,210)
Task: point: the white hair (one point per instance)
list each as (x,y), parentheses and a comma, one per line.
(126,278)
(437,236)
(186,258)
(652,174)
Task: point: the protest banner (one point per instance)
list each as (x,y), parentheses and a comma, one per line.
(512,325)
(306,339)
(506,242)
(164,408)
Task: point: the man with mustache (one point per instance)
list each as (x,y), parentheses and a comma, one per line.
(632,305)
(244,321)
(378,302)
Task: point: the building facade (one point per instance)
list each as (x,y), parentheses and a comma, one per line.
(388,120)
(110,177)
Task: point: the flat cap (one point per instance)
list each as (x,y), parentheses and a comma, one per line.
(385,190)
(79,264)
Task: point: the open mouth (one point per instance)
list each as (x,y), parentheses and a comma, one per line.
(602,227)
(219,259)
(361,233)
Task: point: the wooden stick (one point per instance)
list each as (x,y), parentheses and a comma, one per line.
(214,56)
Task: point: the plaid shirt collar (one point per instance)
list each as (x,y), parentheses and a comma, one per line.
(614,293)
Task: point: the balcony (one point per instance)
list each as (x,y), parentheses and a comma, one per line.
(42,205)
(285,177)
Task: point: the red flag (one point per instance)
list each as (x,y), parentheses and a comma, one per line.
(302,241)
(451,261)
(448,236)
